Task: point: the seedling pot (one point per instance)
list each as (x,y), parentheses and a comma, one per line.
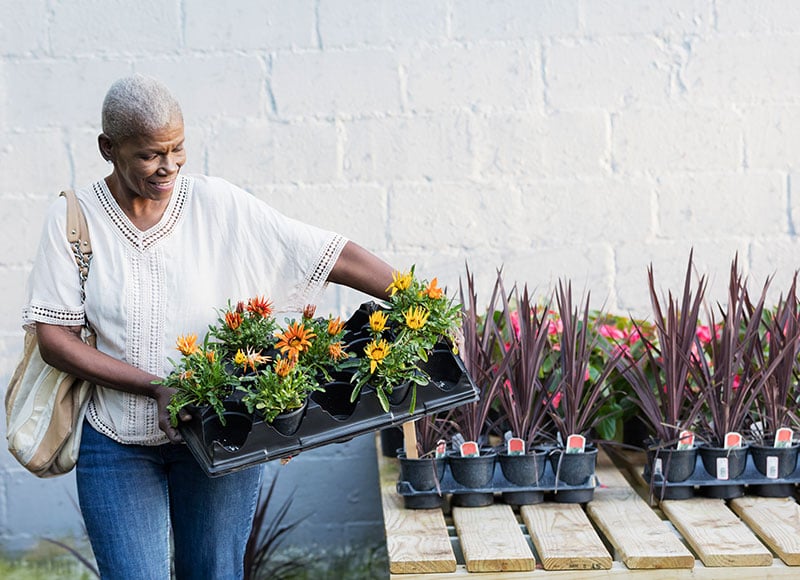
(786,458)
(422,474)
(574,468)
(737,461)
(289,422)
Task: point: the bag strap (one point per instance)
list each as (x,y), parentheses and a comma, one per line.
(78,237)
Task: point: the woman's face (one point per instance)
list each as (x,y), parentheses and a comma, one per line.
(147,165)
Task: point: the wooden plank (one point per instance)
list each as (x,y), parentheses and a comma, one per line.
(619,571)
(492,540)
(715,534)
(776,520)
(640,537)
(564,537)
(416,540)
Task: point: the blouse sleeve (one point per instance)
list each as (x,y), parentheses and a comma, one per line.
(53,290)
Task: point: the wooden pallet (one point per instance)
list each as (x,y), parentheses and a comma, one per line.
(617,534)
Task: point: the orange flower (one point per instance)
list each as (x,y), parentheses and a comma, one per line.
(336,351)
(376,352)
(240,307)
(378,320)
(295,340)
(432,291)
(233,320)
(400,281)
(260,305)
(335,326)
(211,356)
(186,375)
(308,311)
(187,344)
(283,366)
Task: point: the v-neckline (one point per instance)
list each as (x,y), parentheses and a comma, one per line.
(143,239)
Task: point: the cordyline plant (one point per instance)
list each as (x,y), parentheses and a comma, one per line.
(776,405)
(731,378)
(660,378)
(482,341)
(582,397)
(431,429)
(527,392)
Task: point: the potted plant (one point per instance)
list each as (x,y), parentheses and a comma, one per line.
(581,395)
(248,327)
(773,449)
(472,460)
(526,394)
(659,382)
(730,378)
(425,472)
(400,337)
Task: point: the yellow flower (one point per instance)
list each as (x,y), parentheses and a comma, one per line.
(295,340)
(378,320)
(187,344)
(416,317)
(336,351)
(240,358)
(260,306)
(400,281)
(432,291)
(376,352)
(335,326)
(283,367)
(233,320)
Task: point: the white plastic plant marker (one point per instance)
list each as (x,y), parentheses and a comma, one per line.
(722,468)
(733,440)
(657,467)
(441,448)
(685,441)
(783,437)
(470,449)
(773,463)
(576,443)
(515,446)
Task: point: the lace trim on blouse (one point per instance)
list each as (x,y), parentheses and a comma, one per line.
(53,315)
(137,238)
(317,278)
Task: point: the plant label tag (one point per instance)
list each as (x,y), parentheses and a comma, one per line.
(783,437)
(657,469)
(470,449)
(516,446)
(733,440)
(772,466)
(441,448)
(685,440)
(722,468)
(576,443)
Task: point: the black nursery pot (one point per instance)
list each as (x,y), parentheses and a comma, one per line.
(525,471)
(423,475)
(737,461)
(786,459)
(574,469)
(289,422)
(677,465)
(230,436)
(474,473)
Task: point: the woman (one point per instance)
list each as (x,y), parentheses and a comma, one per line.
(167,251)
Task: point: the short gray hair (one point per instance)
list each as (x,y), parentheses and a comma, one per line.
(137,105)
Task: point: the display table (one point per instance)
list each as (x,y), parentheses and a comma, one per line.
(617,534)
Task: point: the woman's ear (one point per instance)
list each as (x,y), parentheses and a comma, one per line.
(106,147)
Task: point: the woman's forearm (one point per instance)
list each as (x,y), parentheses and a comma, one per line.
(362,270)
(61,347)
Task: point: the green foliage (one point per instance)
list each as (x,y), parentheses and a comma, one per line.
(279,389)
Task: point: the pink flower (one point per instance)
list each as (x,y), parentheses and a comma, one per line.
(634,336)
(737,380)
(515,323)
(611,331)
(704,333)
(554,326)
(557,400)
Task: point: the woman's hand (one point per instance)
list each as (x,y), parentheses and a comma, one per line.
(163,396)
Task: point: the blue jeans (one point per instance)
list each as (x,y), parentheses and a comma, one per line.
(132,495)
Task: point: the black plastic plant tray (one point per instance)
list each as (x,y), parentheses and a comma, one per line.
(701,478)
(499,484)
(330,417)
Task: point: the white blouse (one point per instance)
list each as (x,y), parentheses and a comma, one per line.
(214,243)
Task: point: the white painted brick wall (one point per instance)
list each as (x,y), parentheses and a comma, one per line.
(578,139)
